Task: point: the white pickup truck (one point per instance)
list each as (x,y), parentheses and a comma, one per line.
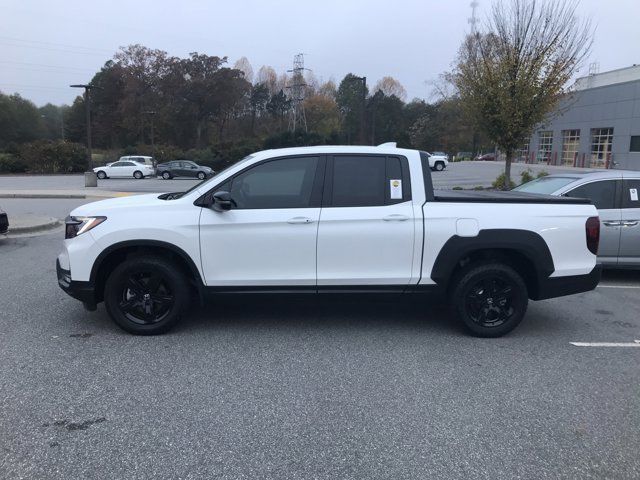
(329,219)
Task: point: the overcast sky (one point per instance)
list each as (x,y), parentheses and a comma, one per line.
(46,44)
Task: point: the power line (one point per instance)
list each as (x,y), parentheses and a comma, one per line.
(49,49)
(58,67)
(78,47)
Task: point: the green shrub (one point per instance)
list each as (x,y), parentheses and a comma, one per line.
(542,173)
(478,187)
(526,176)
(500,183)
(457,188)
(45,156)
(12,164)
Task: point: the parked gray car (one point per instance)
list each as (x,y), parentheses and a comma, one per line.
(615,195)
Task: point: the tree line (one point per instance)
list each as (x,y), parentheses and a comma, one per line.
(200,107)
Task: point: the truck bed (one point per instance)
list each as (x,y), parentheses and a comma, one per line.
(496,196)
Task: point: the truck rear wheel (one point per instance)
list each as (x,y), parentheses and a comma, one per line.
(489,299)
(146,295)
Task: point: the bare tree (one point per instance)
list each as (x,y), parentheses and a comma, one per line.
(390,86)
(268,76)
(512,74)
(245,67)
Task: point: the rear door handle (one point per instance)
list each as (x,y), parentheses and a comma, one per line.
(629,223)
(395,217)
(297,220)
(612,224)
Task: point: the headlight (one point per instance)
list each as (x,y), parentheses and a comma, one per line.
(74,226)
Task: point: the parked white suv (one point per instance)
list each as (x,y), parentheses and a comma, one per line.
(329,219)
(438,161)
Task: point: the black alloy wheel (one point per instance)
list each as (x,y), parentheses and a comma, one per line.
(166,175)
(201,175)
(146,295)
(489,298)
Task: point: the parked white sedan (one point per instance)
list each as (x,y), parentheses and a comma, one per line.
(128,169)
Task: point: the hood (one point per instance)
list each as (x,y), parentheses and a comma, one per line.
(103,206)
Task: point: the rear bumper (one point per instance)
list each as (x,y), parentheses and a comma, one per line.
(560,286)
(83,291)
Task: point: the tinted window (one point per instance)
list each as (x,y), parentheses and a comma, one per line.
(286,183)
(602,194)
(117,164)
(358,181)
(127,164)
(631,194)
(634,144)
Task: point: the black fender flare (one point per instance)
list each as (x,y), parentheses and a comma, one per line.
(146,243)
(525,242)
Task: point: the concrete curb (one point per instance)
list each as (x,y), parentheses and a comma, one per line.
(40,195)
(42,224)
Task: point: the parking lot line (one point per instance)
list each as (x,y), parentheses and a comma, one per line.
(618,286)
(635,343)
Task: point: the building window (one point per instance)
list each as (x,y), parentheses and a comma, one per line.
(545,144)
(601,140)
(570,145)
(634,145)
(523,153)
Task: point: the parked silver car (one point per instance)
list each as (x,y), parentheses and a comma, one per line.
(615,195)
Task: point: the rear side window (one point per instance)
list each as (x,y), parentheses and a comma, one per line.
(602,194)
(631,194)
(368,181)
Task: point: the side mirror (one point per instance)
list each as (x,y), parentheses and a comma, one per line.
(222,201)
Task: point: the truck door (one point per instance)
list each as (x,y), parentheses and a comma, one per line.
(269,237)
(367,226)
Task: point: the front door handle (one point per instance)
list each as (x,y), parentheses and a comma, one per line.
(612,224)
(395,217)
(629,223)
(297,220)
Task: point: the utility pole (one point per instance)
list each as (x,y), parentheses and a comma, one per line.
(152,114)
(297,92)
(90,179)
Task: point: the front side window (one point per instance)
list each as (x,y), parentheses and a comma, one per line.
(117,164)
(284,183)
(602,194)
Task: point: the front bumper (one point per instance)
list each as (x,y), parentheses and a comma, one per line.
(83,291)
(560,286)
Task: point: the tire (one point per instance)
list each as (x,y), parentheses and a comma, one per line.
(101,175)
(166,175)
(201,176)
(489,298)
(138,175)
(146,295)
(439,166)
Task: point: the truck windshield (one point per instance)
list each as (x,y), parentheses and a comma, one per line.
(545,184)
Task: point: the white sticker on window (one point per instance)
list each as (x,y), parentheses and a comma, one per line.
(634,194)
(396,189)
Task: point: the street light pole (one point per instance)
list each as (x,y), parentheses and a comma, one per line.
(152,113)
(90,179)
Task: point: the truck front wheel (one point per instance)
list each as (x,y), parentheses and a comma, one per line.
(146,295)
(489,298)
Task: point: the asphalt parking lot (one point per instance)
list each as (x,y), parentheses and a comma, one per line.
(330,387)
